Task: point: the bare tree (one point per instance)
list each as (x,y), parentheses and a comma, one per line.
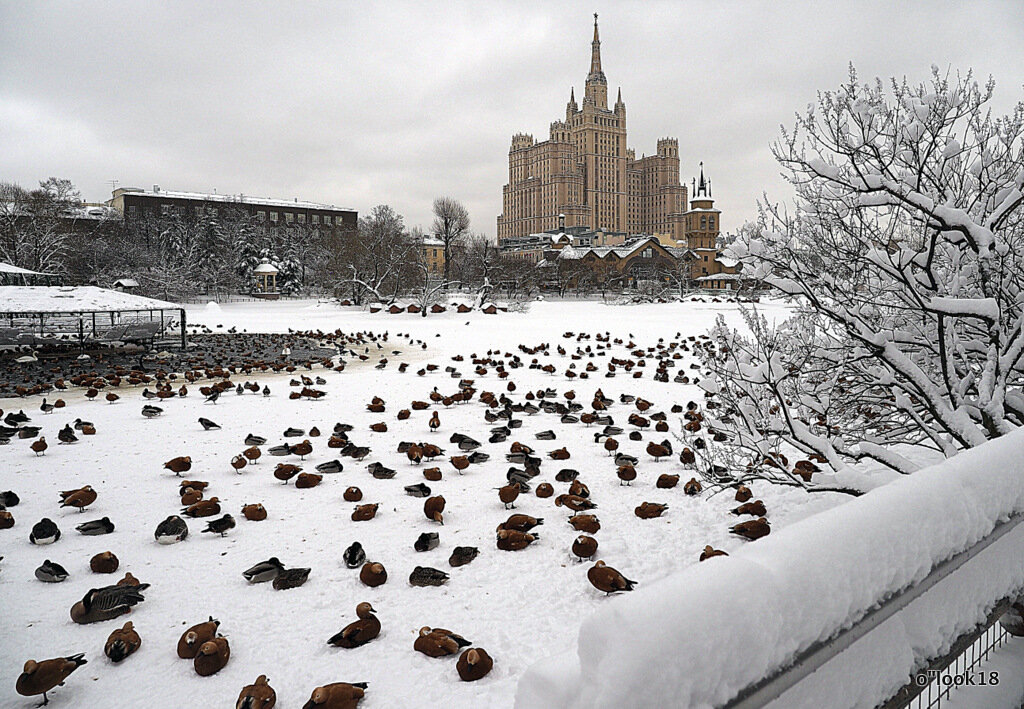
(378,260)
(451,224)
(905,252)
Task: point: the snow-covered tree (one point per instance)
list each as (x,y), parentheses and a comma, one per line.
(904,252)
(451,226)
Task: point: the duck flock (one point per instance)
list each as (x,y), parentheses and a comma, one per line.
(382,467)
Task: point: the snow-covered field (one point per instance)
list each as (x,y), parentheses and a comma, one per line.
(519,606)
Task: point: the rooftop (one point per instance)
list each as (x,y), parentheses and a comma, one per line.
(230,198)
(74,299)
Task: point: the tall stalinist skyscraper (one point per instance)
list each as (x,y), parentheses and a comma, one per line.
(585,172)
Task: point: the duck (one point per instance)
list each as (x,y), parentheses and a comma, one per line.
(508,495)
(560,454)
(417,490)
(171,530)
(352,494)
(212,657)
(521,523)
(291,578)
(44,532)
(99,604)
(427,576)
(575,503)
(584,547)
(545,490)
(358,632)
(195,637)
(755,508)
(204,508)
(435,422)
(338,695)
(605,578)
(692,487)
(462,555)
(305,481)
(42,677)
(253,440)
(354,556)
(710,552)
(258,695)
(438,642)
(67,436)
(221,525)
(238,463)
(122,642)
(752,529)
(302,449)
(151,412)
(380,471)
(373,574)
(459,462)
(587,524)
(179,465)
(513,540)
(96,527)
(433,508)
(286,471)
(80,498)
(51,572)
(626,474)
(743,493)
(6,519)
(659,450)
(330,467)
(427,541)
(254,512)
(39,446)
(650,510)
(474,664)
(264,571)
(104,563)
(129,580)
(363,513)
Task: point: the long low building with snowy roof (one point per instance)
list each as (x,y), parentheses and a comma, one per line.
(138,204)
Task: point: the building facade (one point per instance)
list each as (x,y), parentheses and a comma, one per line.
(586,173)
(137,204)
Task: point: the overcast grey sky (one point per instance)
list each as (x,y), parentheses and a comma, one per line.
(361,103)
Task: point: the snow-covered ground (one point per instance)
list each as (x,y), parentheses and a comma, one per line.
(519,606)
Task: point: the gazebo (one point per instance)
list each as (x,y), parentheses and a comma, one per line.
(266,281)
(37,316)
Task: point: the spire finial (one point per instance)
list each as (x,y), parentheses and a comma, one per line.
(595,54)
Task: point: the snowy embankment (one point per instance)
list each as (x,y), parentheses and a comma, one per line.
(699,636)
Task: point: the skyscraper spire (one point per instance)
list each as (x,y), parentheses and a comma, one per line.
(595,53)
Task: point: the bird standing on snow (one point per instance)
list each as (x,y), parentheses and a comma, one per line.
(207,424)
(41,677)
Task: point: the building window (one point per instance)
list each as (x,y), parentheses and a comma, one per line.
(703,223)
(261,216)
(132,210)
(273,217)
(316,218)
(289,217)
(711,222)
(327,220)
(302,219)
(165,210)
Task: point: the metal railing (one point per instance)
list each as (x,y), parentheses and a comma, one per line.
(929,686)
(807,662)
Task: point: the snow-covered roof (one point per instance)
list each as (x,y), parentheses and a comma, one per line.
(9,268)
(265,268)
(724,277)
(74,299)
(727,261)
(432,241)
(235,198)
(126,283)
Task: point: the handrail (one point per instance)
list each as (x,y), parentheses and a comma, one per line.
(810,660)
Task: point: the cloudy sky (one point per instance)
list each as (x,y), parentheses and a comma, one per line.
(362,103)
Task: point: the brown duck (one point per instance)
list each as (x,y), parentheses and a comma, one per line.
(373,574)
(433,508)
(122,642)
(474,664)
(605,578)
(363,513)
(258,695)
(339,695)
(438,642)
(80,498)
(194,638)
(41,677)
(650,510)
(358,632)
(212,657)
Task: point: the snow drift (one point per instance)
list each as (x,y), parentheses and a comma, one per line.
(698,637)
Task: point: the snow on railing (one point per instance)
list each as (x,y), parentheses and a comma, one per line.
(703,636)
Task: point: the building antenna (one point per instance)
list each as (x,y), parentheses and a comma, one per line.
(113,184)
